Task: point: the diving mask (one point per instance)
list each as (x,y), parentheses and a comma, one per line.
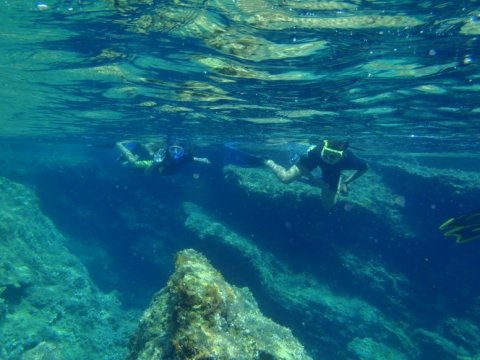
(329,155)
(176,152)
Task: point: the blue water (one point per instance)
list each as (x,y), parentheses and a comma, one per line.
(81,75)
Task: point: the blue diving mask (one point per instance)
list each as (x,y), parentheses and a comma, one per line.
(176,152)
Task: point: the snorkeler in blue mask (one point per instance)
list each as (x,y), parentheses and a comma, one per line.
(155,158)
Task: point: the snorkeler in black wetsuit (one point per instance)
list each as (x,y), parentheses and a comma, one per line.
(332,157)
(165,160)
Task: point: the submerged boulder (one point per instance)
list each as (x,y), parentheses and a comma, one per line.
(49,306)
(303,296)
(198,315)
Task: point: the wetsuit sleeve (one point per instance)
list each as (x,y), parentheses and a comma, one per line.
(127,150)
(142,164)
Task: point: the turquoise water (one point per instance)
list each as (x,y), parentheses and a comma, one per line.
(224,69)
(399,80)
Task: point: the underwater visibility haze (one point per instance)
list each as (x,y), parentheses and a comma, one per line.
(96,217)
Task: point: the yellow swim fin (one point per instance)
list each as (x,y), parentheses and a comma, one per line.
(464,228)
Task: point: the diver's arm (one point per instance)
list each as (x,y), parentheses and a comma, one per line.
(286,176)
(343,185)
(126,152)
(151,148)
(201,160)
(131,158)
(355,176)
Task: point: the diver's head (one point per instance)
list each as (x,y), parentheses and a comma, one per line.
(176,152)
(333,151)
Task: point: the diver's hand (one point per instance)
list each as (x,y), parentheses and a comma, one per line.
(268,163)
(343,189)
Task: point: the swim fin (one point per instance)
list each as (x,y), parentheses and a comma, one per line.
(235,156)
(463,228)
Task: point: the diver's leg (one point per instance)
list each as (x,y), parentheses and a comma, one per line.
(286,176)
(329,198)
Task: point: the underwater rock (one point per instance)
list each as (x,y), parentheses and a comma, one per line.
(460,180)
(463,331)
(44,351)
(368,349)
(198,315)
(454,338)
(49,307)
(377,199)
(263,182)
(3,307)
(300,294)
(378,324)
(385,285)
(435,346)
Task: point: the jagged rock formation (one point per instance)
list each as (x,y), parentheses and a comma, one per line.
(49,307)
(200,316)
(461,180)
(363,330)
(302,294)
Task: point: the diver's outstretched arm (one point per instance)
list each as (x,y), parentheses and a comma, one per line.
(201,160)
(151,148)
(354,176)
(131,158)
(343,185)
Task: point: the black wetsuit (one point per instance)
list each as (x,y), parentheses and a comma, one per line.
(171,165)
(330,172)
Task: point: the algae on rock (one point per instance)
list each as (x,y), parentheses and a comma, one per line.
(200,316)
(302,293)
(379,200)
(49,306)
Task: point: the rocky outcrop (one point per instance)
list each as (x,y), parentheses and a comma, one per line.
(457,179)
(380,201)
(198,315)
(49,307)
(301,294)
